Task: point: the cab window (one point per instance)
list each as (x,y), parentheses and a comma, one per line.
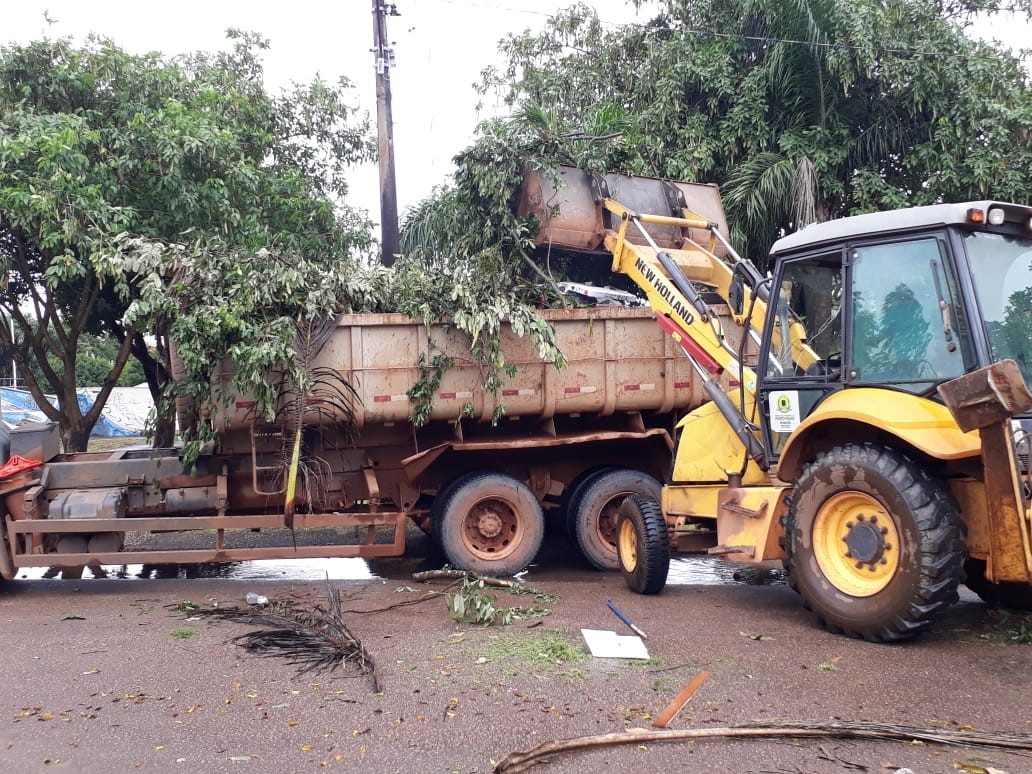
(903,313)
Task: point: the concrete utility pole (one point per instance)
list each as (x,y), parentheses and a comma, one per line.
(384,55)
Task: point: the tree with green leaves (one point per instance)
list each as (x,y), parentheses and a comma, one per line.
(801,110)
(149,196)
(94,356)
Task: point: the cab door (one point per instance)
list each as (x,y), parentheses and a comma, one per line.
(801,361)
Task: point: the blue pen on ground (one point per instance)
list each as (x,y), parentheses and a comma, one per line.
(625,619)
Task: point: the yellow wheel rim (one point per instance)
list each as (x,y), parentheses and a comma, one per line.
(856,544)
(628,546)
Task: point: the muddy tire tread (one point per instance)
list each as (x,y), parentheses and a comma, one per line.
(941,553)
(653,545)
(615,480)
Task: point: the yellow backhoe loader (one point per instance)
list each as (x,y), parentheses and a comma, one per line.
(868,422)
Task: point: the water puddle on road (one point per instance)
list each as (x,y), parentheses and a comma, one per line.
(684,571)
(258,569)
(711,571)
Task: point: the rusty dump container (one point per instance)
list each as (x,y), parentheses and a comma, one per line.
(568,205)
(619,360)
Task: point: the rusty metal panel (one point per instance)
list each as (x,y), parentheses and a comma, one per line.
(36,441)
(986,396)
(568,207)
(567,211)
(653,196)
(216,553)
(1010,559)
(618,359)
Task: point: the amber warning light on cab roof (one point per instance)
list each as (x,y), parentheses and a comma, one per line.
(995,217)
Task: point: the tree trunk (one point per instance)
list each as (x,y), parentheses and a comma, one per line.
(156,372)
(164,430)
(75,439)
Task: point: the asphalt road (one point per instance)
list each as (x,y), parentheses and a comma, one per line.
(106,676)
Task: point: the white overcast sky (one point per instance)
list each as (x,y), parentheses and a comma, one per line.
(440,48)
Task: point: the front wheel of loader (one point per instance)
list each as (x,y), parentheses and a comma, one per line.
(642,545)
(491,524)
(875,545)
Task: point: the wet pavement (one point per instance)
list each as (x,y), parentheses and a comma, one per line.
(554,563)
(111,675)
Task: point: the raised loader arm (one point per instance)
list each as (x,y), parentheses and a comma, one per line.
(669,256)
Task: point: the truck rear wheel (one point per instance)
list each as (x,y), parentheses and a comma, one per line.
(441,500)
(491,524)
(875,546)
(594,510)
(643,546)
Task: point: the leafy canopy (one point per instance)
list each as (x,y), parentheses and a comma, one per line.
(801,110)
(139,192)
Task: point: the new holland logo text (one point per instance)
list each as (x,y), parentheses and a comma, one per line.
(657,281)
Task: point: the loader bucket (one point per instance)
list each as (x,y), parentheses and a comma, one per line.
(986,396)
(567,203)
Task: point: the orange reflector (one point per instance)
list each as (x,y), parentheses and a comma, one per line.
(976,215)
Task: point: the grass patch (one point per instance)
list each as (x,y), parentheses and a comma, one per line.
(186,606)
(663,685)
(182,633)
(549,648)
(1013,626)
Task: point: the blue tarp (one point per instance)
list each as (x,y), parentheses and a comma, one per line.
(18,406)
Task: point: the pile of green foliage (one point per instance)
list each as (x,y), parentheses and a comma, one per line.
(469,258)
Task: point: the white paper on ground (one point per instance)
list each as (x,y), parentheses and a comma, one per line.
(604,644)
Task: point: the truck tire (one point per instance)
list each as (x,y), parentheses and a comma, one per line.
(441,499)
(875,546)
(491,524)
(568,503)
(643,545)
(594,510)
(1017,596)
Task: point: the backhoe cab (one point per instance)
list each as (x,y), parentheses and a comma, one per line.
(869,423)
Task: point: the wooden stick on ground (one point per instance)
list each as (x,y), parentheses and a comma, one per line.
(514,586)
(460,574)
(680,700)
(523,761)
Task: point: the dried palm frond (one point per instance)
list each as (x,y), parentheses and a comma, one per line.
(315,639)
(309,396)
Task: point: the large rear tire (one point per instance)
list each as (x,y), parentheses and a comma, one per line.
(441,500)
(491,524)
(643,546)
(594,511)
(875,546)
(568,504)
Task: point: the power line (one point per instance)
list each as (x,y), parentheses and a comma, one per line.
(761,38)
(914,52)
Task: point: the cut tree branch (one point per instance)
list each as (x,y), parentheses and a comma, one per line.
(523,761)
